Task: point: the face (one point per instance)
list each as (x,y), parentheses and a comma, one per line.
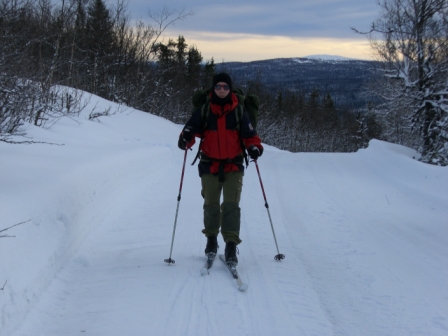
(221,93)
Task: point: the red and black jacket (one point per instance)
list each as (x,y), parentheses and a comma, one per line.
(223,137)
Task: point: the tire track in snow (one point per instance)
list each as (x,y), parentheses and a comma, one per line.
(289,298)
(315,210)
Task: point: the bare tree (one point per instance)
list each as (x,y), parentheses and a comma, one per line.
(32,35)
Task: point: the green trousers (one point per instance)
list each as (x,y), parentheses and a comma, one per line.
(225,215)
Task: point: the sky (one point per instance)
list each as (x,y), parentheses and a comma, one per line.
(264,29)
(365,237)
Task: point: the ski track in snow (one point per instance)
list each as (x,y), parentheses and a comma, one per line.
(365,241)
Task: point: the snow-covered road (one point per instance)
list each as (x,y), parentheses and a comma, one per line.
(365,237)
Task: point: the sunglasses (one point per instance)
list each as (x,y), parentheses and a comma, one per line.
(225,87)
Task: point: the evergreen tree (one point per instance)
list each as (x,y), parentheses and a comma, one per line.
(314,100)
(278,101)
(181,52)
(99,29)
(300,102)
(194,66)
(327,102)
(208,73)
(166,55)
(100,44)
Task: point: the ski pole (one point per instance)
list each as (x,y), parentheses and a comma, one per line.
(169,260)
(279,256)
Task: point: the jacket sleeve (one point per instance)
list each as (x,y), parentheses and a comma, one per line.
(194,126)
(249,133)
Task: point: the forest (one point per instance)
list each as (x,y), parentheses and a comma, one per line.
(47,50)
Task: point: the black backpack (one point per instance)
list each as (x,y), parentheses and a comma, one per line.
(250,102)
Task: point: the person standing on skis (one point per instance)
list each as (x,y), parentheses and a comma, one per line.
(223,140)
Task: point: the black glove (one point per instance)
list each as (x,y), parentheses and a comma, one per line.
(254,152)
(181,143)
(187,135)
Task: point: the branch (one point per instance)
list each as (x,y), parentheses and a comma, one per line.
(26,142)
(372,29)
(164,18)
(6,236)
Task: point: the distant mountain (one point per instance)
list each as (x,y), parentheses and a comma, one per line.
(342,78)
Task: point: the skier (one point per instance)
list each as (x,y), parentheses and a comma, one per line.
(224,138)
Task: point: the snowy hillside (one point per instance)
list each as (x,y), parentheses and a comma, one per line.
(324,57)
(342,79)
(365,237)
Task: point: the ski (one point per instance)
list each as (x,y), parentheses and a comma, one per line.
(209,263)
(232,269)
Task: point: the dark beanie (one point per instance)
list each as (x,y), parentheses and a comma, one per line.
(222,77)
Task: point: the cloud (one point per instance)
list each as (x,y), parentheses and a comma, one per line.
(314,18)
(261,29)
(248,47)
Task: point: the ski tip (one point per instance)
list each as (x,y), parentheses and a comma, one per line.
(243,287)
(204,271)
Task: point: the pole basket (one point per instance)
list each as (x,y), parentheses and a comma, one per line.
(170,261)
(279,257)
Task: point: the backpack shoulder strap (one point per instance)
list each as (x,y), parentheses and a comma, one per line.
(239,112)
(205,111)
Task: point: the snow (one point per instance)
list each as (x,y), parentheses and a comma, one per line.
(324,57)
(365,237)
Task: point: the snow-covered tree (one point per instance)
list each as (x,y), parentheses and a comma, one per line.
(413,47)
